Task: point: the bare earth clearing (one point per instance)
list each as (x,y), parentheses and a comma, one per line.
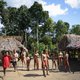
(22,74)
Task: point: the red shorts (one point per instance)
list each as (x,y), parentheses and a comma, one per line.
(44,63)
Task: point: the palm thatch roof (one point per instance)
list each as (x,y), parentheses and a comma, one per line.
(69,41)
(19,38)
(10,43)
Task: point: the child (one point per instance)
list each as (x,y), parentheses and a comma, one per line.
(5,62)
(28,61)
(44,62)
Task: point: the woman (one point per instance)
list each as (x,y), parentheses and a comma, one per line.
(36,61)
(66,61)
(54,60)
(60,58)
(44,60)
(5,62)
(23,57)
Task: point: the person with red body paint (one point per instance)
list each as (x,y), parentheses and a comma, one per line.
(5,62)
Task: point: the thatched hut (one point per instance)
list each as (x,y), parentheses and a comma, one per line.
(10,43)
(69,42)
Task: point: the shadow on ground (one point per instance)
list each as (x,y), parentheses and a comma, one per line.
(0,63)
(7,70)
(74,67)
(33,75)
(1,78)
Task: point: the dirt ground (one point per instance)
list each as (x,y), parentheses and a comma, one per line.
(23,74)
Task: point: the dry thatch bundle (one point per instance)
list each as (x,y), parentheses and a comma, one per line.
(69,41)
(19,38)
(10,44)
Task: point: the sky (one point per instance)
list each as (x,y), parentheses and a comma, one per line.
(65,10)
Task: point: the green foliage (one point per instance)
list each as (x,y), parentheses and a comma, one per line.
(75,29)
(47,40)
(18,20)
(5,17)
(41,47)
(23,17)
(37,13)
(61,28)
(12,28)
(2,5)
(48,26)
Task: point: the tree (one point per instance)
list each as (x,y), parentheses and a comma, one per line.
(5,19)
(23,17)
(46,40)
(67,26)
(37,13)
(47,32)
(2,9)
(48,27)
(61,28)
(2,5)
(38,16)
(12,28)
(75,29)
(23,21)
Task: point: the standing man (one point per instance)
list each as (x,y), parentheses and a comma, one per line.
(23,57)
(36,61)
(54,60)
(15,59)
(44,63)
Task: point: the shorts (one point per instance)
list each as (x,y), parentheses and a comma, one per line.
(14,63)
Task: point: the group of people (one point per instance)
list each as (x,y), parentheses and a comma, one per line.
(26,58)
(61,59)
(7,59)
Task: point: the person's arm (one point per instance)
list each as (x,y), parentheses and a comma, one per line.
(2,59)
(33,55)
(9,58)
(41,57)
(17,55)
(38,55)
